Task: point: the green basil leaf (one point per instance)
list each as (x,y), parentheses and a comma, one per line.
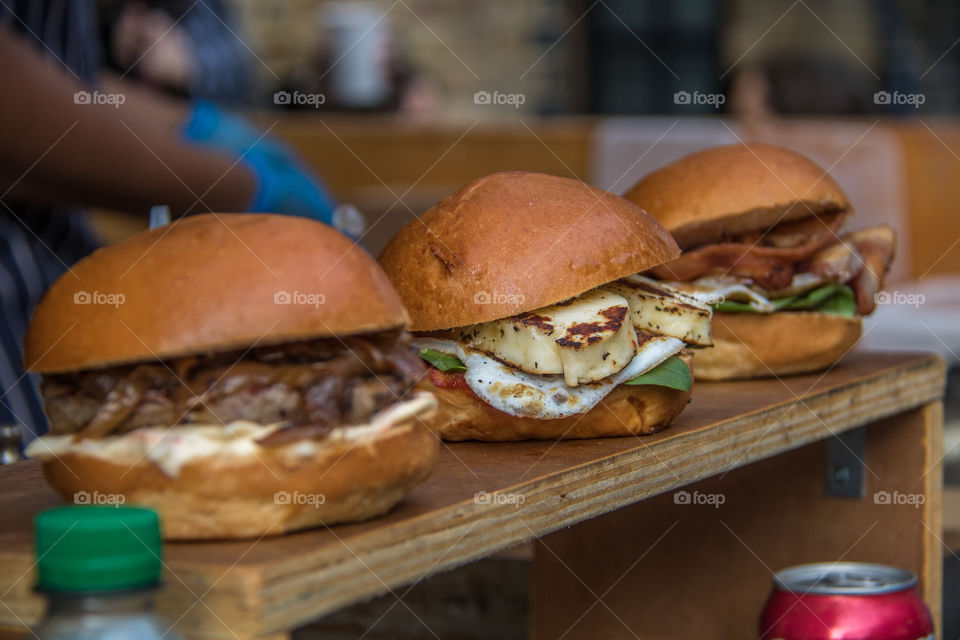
(442,361)
(672,373)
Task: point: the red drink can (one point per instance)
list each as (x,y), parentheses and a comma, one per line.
(845,601)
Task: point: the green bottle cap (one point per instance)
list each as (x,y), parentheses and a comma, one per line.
(97,548)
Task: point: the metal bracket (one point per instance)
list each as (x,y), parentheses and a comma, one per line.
(845,456)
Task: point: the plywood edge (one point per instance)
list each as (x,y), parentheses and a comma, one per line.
(934,547)
(886,393)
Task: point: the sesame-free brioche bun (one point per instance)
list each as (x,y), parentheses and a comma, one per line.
(251,496)
(515,241)
(706,198)
(734,189)
(625,411)
(214,283)
(205,283)
(748,345)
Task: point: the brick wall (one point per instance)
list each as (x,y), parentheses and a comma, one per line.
(460,46)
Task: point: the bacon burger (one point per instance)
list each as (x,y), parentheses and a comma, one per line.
(525,301)
(764,239)
(241,374)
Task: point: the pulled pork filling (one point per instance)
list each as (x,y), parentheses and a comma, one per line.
(311,386)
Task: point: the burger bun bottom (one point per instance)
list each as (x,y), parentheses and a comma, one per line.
(626,411)
(253,496)
(747,345)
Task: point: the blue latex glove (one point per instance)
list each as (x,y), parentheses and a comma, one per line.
(209,126)
(284,183)
(286,187)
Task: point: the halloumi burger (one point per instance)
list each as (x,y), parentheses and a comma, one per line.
(525,300)
(764,239)
(242,374)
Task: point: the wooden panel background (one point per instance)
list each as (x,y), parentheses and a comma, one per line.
(372,161)
(666,570)
(931,153)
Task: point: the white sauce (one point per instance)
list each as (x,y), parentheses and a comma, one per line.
(173,447)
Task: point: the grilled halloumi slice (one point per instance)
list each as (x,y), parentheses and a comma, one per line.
(660,309)
(586,338)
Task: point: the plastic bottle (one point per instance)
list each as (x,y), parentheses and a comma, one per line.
(99,568)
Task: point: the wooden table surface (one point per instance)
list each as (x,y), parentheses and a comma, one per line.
(256,587)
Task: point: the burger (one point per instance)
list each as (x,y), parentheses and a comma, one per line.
(241,374)
(525,301)
(764,237)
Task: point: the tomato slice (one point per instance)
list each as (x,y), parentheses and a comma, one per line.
(448,379)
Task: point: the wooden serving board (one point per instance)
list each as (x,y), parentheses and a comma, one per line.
(250,588)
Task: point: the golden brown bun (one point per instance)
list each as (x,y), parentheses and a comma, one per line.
(748,345)
(222,498)
(627,410)
(736,189)
(513,242)
(207,283)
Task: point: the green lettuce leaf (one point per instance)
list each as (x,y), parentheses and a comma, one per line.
(841,303)
(832,298)
(732,306)
(672,373)
(442,361)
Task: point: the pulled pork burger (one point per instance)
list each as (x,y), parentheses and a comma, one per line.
(764,239)
(525,301)
(241,374)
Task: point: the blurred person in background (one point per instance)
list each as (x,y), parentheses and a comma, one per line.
(190,50)
(76,138)
(805,66)
(800,84)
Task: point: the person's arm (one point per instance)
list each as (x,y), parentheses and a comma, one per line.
(97,154)
(146,105)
